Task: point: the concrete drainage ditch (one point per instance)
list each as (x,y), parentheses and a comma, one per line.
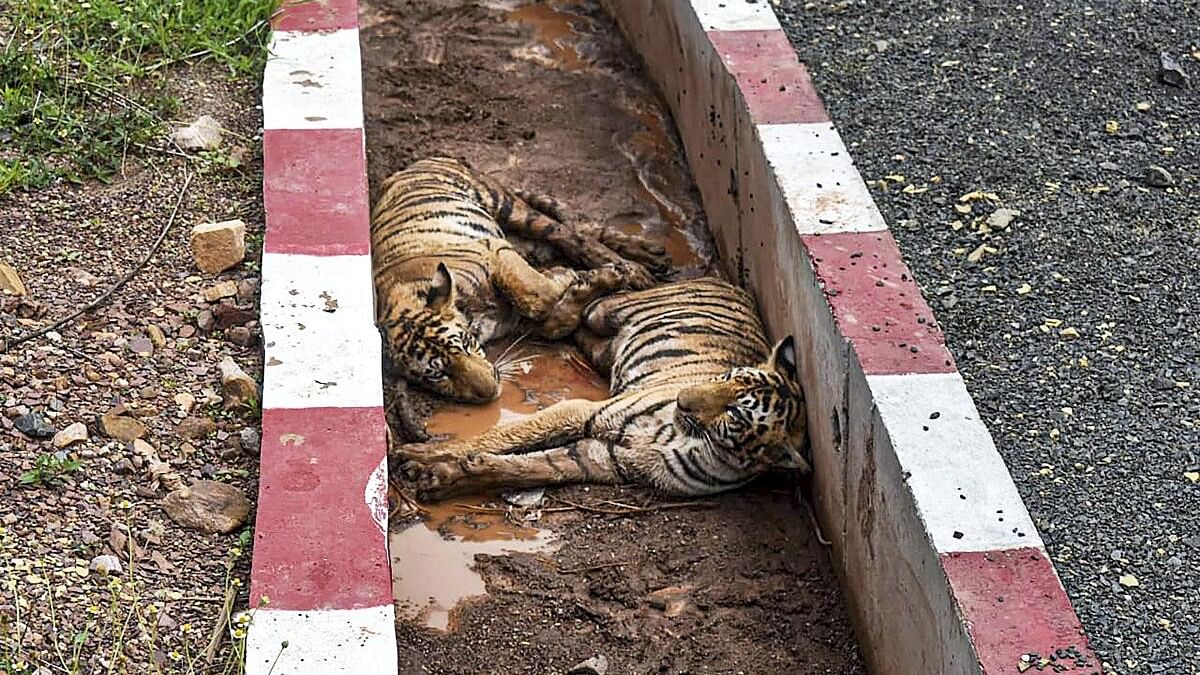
(929,535)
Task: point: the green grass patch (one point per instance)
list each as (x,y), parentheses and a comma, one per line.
(84,83)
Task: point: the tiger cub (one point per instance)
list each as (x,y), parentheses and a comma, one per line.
(699,405)
(446,278)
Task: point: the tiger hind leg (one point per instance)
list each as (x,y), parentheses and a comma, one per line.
(585,246)
(585,461)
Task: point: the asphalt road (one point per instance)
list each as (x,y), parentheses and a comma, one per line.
(1076,326)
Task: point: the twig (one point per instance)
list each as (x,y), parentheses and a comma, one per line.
(120,282)
(214,642)
(590,568)
(200,598)
(635,509)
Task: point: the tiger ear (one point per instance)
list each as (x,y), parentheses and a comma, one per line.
(441,292)
(783,359)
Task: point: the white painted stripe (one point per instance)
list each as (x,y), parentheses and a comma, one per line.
(313,81)
(735,15)
(963,490)
(819,181)
(322,642)
(321,345)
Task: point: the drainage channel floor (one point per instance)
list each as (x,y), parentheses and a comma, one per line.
(547,96)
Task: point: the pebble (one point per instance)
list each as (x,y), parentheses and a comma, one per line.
(240,389)
(105,564)
(1156,176)
(251,440)
(208,506)
(156,335)
(185,401)
(1171,72)
(10,281)
(240,335)
(34,425)
(74,433)
(121,427)
(225,289)
(203,134)
(141,346)
(195,428)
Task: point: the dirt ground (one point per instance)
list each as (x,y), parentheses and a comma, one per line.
(69,244)
(548,97)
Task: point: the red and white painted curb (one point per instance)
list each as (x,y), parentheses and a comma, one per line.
(945,571)
(320,549)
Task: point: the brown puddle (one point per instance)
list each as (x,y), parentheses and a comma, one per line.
(433,562)
(555,31)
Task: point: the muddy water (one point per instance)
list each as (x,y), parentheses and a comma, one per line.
(433,561)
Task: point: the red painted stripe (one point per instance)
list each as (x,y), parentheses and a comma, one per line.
(315,191)
(315,15)
(877,304)
(1014,605)
(775,84)
(316,544)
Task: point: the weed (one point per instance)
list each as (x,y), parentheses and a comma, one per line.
(85,83)
(48,468)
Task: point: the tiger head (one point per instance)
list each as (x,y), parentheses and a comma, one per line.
(433,347)
(756,415)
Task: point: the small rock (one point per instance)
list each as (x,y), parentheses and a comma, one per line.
(195,428)
(10,281)
(121,427)
(672,600)
(524,498)
(123,467)
(205,321)
(240,335)
(1110,166)
(203,134)
(141,346)
(1156,176)
(185,401)
(1171,72)
(83,277)
(72,434)
(218,246)
(247,288)
(881,46)
(156,335)
(34,425)
(208,506)
(597,665)
(106,564)
(1002,218)
(228,314)
(225,289)
(251,441)
(239,387)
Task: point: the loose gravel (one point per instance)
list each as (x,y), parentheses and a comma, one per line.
(1075,326)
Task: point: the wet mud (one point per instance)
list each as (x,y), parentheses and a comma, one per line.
(546,96)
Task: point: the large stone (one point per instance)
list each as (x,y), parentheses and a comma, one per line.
(75,433)
(218,246)
(10,281)
(121,427)
(208,506)
(240,389)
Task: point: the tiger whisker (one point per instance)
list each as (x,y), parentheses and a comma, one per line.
(510,347)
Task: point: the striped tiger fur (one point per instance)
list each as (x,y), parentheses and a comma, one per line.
(699,404)
(448,280)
